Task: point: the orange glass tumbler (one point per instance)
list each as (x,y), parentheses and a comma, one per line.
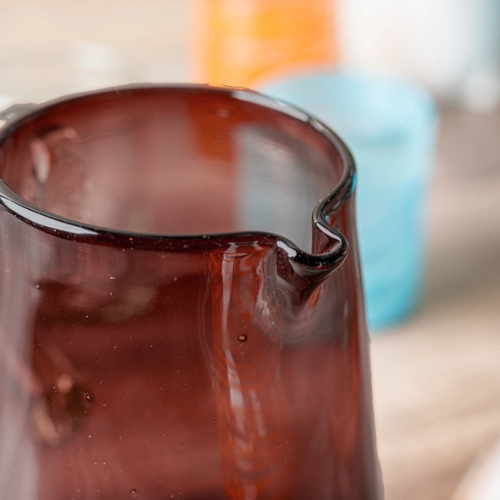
(240,42)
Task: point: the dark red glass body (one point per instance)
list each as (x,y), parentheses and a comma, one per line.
(160,334)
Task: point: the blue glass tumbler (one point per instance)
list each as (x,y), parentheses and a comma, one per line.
(390,126)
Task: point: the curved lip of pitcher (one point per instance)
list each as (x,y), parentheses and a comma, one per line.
(79,231)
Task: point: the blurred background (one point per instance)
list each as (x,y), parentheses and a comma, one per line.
(436,362)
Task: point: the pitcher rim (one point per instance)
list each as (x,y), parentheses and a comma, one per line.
(70,229)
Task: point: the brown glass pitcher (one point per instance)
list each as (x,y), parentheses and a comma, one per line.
(172,323)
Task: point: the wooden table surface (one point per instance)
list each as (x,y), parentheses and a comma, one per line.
(437,376)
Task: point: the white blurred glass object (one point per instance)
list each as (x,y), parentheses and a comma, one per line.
(482,481)
(452,46)
(37,74)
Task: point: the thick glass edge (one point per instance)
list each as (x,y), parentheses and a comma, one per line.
(76,231)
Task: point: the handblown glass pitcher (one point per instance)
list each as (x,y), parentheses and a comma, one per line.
(172,324)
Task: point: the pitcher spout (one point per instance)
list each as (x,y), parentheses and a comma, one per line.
(301,272)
